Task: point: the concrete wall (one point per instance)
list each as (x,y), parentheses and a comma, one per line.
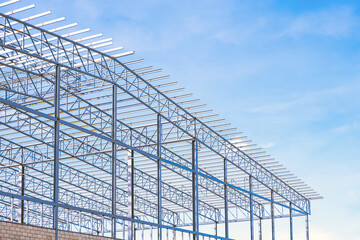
(14,231)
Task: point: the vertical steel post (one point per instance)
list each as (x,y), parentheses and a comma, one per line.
(226,200)
(124,229)
(272,216)
(142,231)
(27,211)
(291,222)
(216,228)
(41,214)
(113,162)
(56,150)
(102,225)
(80,219)
(159,184)
(12,209)
(195,190)
(68,219)
(251,210)
(307,227)
(131,224)
(21,188)
(260,229)
(92,224)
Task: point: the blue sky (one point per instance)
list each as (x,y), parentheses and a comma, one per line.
(286,73)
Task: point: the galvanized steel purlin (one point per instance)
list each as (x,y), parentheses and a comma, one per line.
(206,135)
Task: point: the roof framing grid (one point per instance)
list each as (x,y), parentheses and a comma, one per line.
(90,144)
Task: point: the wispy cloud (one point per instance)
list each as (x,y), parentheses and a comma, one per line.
(334,22)
(88,9)
(306,98)
(348,127)
(268,145)
(340,21)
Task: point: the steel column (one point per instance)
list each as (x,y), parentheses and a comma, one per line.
(21,187)
(80,218)
(226,201)
(260,229)
(131,225)
(195,190)
(272,216)
(291,223)
(307,226)
(41,214)
(159,185)
(68,220)
(251,210)
(216,229)
(12,210)
(113,161)
(56,149)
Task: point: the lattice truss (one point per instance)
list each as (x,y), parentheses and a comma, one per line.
(82,124)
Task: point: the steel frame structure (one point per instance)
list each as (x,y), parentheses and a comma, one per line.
(87,144)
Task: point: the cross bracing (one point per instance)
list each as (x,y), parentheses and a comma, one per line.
(89,142)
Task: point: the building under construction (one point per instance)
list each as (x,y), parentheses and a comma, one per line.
(95,142)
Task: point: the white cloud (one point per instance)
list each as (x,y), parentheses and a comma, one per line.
(349,127)
(309,99)
(335,22)
(268,145)
(88,9)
